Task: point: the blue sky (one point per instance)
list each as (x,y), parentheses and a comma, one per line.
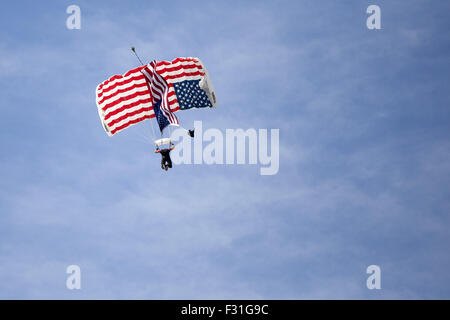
(364,147)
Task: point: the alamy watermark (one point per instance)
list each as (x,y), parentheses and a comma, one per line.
(373,22)
(74,280)
(374,280)
(74,20)
(237,146)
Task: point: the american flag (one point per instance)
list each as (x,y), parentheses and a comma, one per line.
(159,90)
(156,89)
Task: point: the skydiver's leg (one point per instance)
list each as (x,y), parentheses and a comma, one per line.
(164,162)
(169,162)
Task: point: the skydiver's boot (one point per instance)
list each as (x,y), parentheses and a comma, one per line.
(191,133)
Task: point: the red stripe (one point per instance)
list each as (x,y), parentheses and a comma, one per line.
(155,83)
(197,73)
(128,115)
(172,102)
(135,78)
(128,106)
(174,108)
(172,117)
(160,90)
(122,99)
(164,109)
(115,77)
(155,94)
(166,63)
(164,100)
(120,91)
(149,82)
(189,66)
(161,87)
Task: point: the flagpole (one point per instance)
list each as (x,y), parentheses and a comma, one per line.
(134,50)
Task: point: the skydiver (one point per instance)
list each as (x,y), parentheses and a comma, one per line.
(166,162)
(191,133)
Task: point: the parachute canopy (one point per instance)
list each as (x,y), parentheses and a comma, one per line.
(157,89)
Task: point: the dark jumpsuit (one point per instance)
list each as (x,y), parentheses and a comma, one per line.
(165,158)
(166,162)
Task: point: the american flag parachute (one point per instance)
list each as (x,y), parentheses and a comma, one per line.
(156,90)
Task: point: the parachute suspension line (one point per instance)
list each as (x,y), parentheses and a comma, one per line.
(153,130)
(142,137)
(140,61)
